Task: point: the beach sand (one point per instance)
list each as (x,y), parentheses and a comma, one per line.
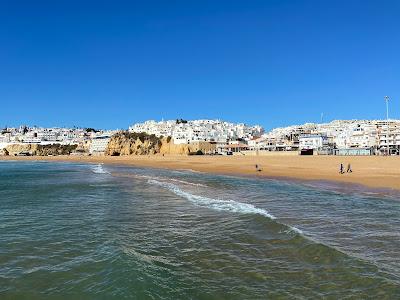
(371,171)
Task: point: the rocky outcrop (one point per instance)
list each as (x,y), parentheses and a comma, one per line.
(4,152)
(126,143)
(83,146)
(39,150)
(184,149)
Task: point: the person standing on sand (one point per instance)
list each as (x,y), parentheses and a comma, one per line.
(349,170)
(341,169)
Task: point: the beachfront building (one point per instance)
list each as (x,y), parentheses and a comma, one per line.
(357,136)
(389,138)
(377,135)
(99,144)
(313,141)
(285,138)
(353,152)
(231,148)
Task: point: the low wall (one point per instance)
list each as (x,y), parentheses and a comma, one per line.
(268,153)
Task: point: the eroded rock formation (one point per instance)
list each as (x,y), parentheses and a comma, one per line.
(39,150)
(126,143)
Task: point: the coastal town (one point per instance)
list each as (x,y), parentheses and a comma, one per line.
(200,150)
(339,137)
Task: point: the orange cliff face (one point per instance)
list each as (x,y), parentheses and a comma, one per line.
(38,150)
(124,143)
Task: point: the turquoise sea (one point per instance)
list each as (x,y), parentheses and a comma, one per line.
(81,231)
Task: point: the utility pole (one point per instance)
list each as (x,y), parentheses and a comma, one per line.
(387,123)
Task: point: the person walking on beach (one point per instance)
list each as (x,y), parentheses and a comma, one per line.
(341,169)
(349,170)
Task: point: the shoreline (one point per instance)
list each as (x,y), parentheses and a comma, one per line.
(375,172)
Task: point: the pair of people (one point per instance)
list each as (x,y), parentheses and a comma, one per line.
(341,168)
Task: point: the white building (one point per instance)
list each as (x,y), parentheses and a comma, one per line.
(313,141)
(5,138)
(31,140)
(47,135)
(99,144)
(184,132)
(341,134)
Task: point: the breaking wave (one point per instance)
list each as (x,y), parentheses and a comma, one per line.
(226,205)
(160,179)
(187,182)
(222,205)
(98,169)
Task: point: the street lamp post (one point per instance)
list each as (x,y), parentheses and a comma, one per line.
(387,123)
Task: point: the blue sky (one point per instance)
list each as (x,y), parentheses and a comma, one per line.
(108,64)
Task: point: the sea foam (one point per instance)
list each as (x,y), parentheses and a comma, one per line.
(216,204)
(223,205)
(162,179)
(187,182)
(98,169)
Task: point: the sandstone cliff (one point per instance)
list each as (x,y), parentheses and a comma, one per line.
(40,150)
(125,143)
(171,148)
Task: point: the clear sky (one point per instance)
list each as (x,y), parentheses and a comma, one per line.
(108,64)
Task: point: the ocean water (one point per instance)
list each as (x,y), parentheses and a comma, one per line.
(80,231)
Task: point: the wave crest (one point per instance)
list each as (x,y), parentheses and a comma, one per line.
(98,169)
(224,205)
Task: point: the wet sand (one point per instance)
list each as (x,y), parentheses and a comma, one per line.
(371,171)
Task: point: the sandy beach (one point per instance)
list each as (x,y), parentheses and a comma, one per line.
(371,171)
